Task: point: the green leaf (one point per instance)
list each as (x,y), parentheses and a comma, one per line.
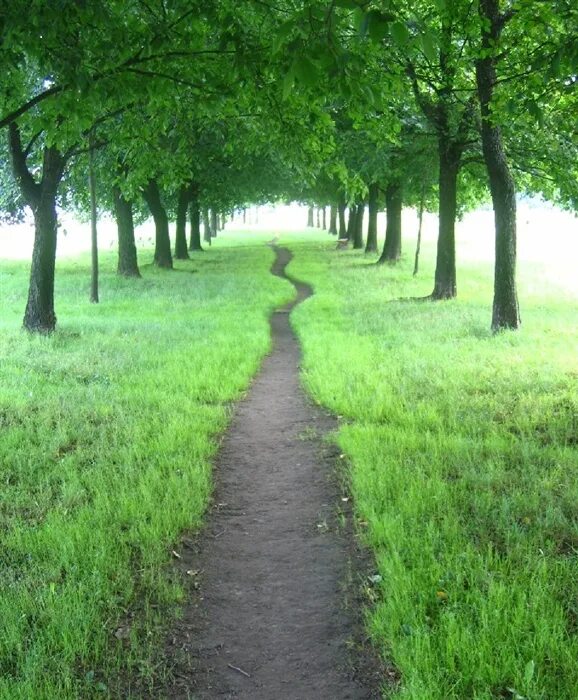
(347,4)
(306,71)
(429,47)
(535,111)
(288,82)
(399,33)
(378,24)
(529,671)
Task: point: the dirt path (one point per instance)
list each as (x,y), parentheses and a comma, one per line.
(268,622)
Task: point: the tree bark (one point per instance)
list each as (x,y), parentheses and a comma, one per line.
(127,257)
(506,312)
(195,215)
(371,245)
(318,218)
(393,206)
(206,226)
(445,274)
(333,220)
(214,223)
(350,232)
(358,232)
(181,248)
(39,315)
(163,256)
(310,222)
(419,230)
(324,218)
(93,226)
(342,225)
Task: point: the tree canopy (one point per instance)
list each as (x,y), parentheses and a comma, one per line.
(220,105)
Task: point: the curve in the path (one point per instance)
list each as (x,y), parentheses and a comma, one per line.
(268,622)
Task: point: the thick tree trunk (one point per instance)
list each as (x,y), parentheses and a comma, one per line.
(195,214)
(214,223)
(358,233)
(506,313)
(393,206)
(181,249)
(445,274)
(93,227)
(419,230)
(310,222)
(371,245)
(342,225)
(318,217)
(350,232)
(206,226)
(39,315)
(333,220)
(163,256)
(127,258)
(324,218)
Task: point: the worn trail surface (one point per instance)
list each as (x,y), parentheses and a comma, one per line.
(268,621)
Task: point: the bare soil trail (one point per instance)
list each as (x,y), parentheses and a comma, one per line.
(269,620)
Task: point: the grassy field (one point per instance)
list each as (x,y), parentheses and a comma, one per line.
(107,430)
(462,452)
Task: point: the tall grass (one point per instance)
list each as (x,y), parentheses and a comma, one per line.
(107,429)
(463,462)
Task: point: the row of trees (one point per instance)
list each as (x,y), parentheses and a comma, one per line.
(184,109)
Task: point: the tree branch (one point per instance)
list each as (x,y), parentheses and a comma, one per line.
(28,185)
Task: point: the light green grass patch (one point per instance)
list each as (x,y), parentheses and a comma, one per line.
(107,429)
(463,465)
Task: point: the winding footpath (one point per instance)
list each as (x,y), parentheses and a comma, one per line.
(268,621)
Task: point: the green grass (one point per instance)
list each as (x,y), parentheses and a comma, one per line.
(107,430)
(463,463)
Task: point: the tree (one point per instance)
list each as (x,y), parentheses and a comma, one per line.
(393,205)
(40,196)
(152,196)
(505,307)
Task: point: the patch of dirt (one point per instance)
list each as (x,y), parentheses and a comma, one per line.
(273,613)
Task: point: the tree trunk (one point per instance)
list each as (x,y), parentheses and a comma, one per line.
(93,226)
(127,258)
(163,256)
(445,275)
(324,218)
(181,250)
(342,225)
(506,313)
(393,206)
(350,232)
(39,315)
(371,245)
(418,245)
(318,218)
(195,215)
(214,223)
(310,223)
(206,226)
(358,233)
(333,220)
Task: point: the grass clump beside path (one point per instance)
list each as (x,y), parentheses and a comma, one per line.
(107,430)
(463,451)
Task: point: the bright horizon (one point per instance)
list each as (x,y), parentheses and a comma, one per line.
(556,253)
